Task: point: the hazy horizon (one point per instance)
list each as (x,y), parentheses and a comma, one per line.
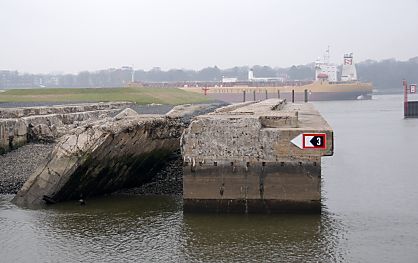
(55,72)
(72,36)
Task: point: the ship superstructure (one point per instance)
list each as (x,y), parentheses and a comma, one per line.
(324,70)
(348,72)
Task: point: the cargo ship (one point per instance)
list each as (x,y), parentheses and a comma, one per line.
(325,86)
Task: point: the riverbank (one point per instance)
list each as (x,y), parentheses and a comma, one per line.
(169,96)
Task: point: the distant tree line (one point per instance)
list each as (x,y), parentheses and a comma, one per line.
(386,75)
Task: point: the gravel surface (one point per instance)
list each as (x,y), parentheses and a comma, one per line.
(168,181)
(16,166)
(152,109)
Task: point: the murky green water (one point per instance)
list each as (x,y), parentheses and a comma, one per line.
(370,191)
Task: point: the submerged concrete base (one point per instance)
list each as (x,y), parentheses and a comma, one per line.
(249,206)
(267,187)
(411,110)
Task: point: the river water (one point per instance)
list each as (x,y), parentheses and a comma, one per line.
(370,198)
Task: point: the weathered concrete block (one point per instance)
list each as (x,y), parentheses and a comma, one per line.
(242,159)
(126,113)
(11,113)
(13,134)
(45,124)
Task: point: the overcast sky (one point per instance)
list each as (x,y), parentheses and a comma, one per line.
(73,35)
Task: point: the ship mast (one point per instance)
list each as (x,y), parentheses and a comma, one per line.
(324,70)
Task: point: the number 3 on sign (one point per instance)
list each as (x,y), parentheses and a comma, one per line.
(310,141)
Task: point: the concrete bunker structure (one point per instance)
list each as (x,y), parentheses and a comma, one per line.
(248,157)
(255,157)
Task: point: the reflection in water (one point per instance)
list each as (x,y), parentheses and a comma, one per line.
(105,230)
(155,229)
(119,228)
(287,238)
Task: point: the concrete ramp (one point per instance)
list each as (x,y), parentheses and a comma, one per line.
(102,158)
(107,155)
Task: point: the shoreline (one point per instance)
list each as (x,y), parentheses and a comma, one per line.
(16,166)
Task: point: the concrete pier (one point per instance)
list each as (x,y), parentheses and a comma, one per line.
(255,157)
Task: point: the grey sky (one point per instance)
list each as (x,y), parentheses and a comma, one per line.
(73,35)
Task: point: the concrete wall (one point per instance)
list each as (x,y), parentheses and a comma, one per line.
(255,187)
(10,113)
(13,134)
(21,125)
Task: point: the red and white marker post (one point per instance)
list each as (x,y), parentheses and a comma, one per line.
(413,88)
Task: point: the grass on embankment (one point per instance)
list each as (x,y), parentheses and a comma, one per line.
(171,96)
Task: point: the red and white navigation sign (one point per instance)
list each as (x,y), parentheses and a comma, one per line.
(413,88)
(310,140)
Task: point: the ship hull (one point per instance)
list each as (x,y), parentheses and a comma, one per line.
(318,91)
(323,96)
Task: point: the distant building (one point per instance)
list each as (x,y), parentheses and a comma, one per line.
(229,80)
(252,78)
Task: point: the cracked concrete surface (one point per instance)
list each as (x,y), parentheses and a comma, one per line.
(106,155)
